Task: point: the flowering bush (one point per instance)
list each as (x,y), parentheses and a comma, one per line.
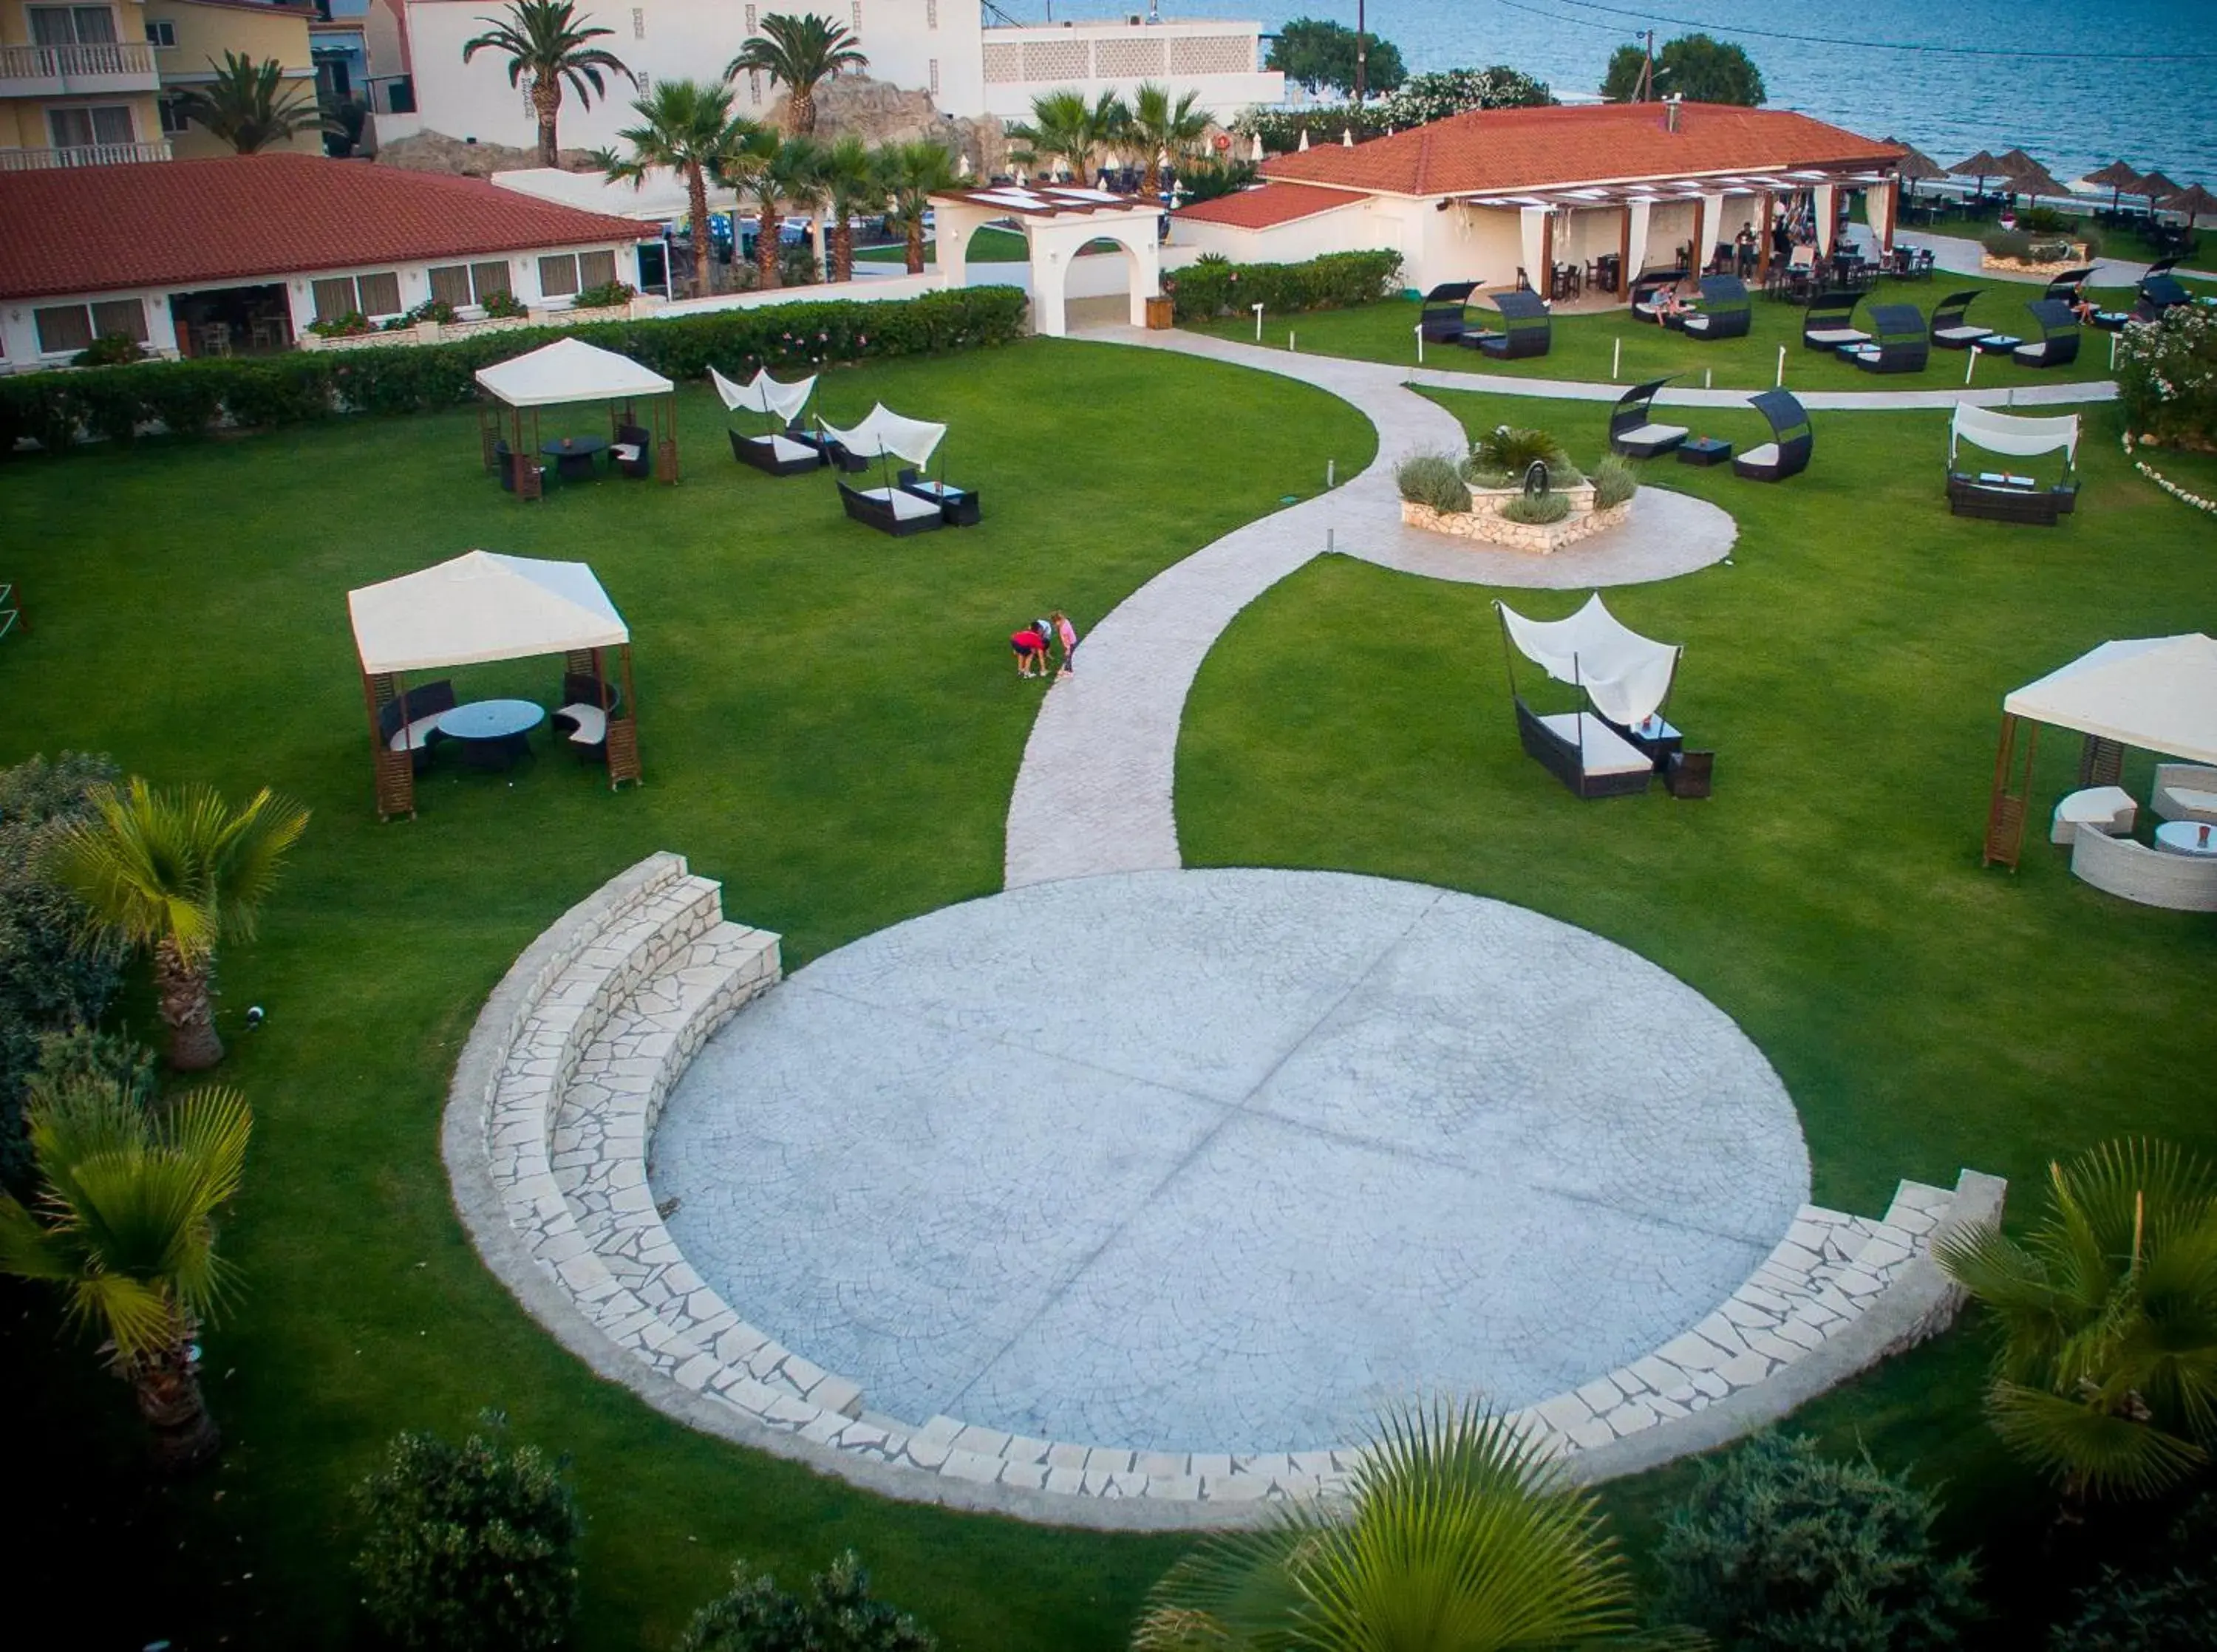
(506,306)
(1211,285)
(345,326)
(1419,99)
(2167,376)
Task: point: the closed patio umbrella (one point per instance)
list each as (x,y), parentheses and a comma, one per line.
(2192,202)
(2116,177)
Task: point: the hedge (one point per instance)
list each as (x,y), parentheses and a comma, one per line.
(188,398)
(1215,287)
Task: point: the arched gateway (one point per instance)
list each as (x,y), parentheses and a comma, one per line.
(1057,221)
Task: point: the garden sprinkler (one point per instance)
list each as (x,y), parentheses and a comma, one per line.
(1257,308)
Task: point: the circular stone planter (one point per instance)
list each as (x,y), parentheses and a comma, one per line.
(1484,523)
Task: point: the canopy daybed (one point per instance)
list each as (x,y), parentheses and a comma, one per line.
(2158,693)
(566,371)
(788,450)
(1725,311)
(1442,319)
(902,503)
(1786,452)
(480,608)
(2006,496)
(1831,320)
(1526,327)
(2064,284)
(2058,343)
(1614,748)
(1898,341)
(2160,290)
(1950,331)
(1632,433)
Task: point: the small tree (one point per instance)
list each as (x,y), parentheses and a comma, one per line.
(1782,1549)
(2164,1603)
(912,172)
(1165,127)
(853,187)
(1696,67)
(2167,376)
(174,872)
(834,1613)
(250,107)
(1320,55)
(471,1548)
(1064,128)
(690,129)
(125,1224)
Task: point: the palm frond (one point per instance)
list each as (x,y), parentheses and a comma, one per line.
(2106,1453)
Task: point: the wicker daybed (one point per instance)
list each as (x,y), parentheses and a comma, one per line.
(1632,433)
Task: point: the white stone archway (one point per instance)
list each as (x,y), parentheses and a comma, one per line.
(1057,221)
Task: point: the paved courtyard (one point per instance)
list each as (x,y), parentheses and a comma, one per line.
(1222,1160)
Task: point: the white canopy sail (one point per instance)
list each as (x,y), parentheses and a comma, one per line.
(2005,433)
(885,434)
(764,394)
(1624,674)
(2157,694)
(570,370)
(481,605)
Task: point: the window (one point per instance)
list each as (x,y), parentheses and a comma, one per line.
(72,25)
(491,280)
(463,284)
(557,274)
(66,329)
(163,32)
(85,124)
(931,14)
(368,295)
(595,269)
(334,297)
(638,22)
(934,76)
(172,111)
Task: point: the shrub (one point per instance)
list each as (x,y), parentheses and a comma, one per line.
(1536,509)
(1781,1550)
(2044,220)
(108,350)
(1419,99)
(345,326)
(2169,1602)
(1615,481)
(835,1614)
(506,306)
(797,265)
(2007,244)
(606,295)
(1213,285)
(52,976)
(1433,479)
(1511,451)
(2167,375)
(471,1548)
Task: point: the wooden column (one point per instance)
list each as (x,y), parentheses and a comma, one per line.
(2012,787)
(1763,246)
(1543,279)
(1624,271)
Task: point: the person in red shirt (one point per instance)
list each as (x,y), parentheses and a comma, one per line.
(1030,650)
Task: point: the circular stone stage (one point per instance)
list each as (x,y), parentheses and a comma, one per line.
(1225,1160)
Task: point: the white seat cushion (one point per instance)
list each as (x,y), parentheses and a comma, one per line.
(906,506)
(1836,336)
(1766,454)
(1697,323)
(1966,333)
(414,735)
(1651,432)
(626,451)
(2030,352)
(2200,803)
(1604,750)
(786,450)
(592,723)
(2105,808)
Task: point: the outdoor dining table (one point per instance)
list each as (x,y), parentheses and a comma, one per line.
(573,456)
(493,733)
(2187,837)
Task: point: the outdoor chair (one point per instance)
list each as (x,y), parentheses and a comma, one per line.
(890,510)
(1442,319)
(633,452)
(1632,433)
(2133,871)
(587,705)
(2057,345)
(1786,452)
(1527,329)
(1582,752)
(406,722)
(1899,343)
(1829,322)
(1725,311)
(2108,809)
(2159,293)
(2065,284)
(520,474)
(1949,331)
(2185,791)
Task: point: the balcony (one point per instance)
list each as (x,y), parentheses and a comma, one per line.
(41,160)
(73,71)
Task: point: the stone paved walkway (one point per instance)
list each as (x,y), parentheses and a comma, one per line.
(1959,255)
(1224,1160)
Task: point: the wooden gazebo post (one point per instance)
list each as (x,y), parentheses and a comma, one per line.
(394,772)
(1762,247)
(665,454)
(2012,787)
(1624,270)
(623,729)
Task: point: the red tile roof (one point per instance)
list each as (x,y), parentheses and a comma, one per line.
(1599,143)
(1274,203)
(93,229)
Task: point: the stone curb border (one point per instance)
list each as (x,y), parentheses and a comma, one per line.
(1850,1308)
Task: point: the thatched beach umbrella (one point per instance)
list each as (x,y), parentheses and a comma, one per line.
(2116,177)
(2028,176)
(2192,202)
(1915,166)
(2156,188)
(1982,166)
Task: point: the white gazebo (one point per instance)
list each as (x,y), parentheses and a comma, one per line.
(567,372)
(1058,222)
(2158,693)
(478,608)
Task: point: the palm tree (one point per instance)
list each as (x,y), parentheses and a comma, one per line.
(911,172)
(125,1224)
(248,105)
(2106,1374)
(1463,1535)
(547,40)
(688,127)
(853,187)
(1064,126)
(176,873)
(1161,127)
(755,172)
(799,53)
(799,168)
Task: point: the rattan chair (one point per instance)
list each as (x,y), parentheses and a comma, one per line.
(1527,329)
(407,722)
(1632,433)
(1898,341)
(1442,319)
(1786,452)
(1829,320)
(2058,344)
(1725,311)
(2108,809)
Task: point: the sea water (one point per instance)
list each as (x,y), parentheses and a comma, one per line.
(2123,98)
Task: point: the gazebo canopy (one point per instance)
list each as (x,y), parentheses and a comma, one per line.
(569,370)
(2011,434)
(479,608)
(2158,693)
(1983,165)
(2156,187)
(1624,674)
(885,434)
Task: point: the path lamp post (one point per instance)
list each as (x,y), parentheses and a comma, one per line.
(1257,308)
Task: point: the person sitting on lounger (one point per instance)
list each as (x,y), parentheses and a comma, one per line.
(1663,303)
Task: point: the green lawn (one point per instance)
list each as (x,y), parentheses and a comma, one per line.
(1584,346)
(1846,667)
(987,246)
(830,724)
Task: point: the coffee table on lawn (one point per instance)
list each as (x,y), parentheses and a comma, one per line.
(573,456)
(493,733)
(2193,837)
(1707,451)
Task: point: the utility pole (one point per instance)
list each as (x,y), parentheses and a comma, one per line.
(1361,49)
(1645,90)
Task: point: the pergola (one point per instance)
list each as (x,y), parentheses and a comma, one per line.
(1058,221)
(1637,199)
(2158,693)
(567,372)
(480,608)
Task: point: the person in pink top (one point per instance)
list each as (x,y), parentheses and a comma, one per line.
(1067,634)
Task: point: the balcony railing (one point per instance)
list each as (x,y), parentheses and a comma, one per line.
(41,160)
(67,64)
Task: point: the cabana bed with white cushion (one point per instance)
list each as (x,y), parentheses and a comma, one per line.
(1632,433)
(2004,496)
(903,505)
(787,451)
(1624,678)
